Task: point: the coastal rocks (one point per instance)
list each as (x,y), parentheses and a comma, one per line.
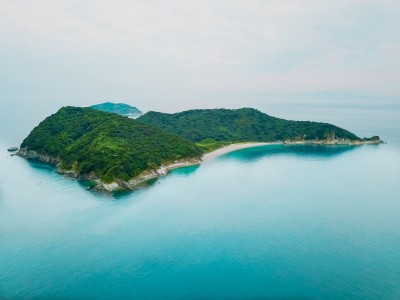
(373,140)
(31,154)
(117,184)
(332,140)
(69,173)
(163,170)
(143,177)
(109,187)
(324,142)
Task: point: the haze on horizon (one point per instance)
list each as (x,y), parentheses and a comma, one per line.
(176,55)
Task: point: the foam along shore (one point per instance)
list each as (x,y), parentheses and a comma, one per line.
(230,148)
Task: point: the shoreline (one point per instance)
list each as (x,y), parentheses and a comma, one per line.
(163,170)
(234,147)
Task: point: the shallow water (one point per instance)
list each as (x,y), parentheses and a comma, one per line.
(286,222)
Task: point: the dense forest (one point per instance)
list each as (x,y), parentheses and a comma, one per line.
(105,144)
(211,128)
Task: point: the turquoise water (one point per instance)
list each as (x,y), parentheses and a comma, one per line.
(273,222)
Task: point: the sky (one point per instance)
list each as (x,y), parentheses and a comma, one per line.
(174,55)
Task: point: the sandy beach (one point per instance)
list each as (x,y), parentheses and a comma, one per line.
(220,151)
(230,148)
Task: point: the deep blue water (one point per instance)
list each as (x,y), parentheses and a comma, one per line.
(273,222)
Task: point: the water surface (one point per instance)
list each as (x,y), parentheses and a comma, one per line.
(272,222)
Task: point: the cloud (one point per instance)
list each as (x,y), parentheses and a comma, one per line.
(176,49)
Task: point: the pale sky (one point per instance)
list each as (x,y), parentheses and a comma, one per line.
(173,55)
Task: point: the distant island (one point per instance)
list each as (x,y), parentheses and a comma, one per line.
(119,153)
(118,108)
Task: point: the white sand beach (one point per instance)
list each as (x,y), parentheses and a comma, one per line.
(230,148)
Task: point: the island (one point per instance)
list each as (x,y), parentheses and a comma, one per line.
(118,108)
(119,153)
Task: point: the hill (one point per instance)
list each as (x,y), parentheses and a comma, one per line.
(211,128)
(118,108)
(92,144)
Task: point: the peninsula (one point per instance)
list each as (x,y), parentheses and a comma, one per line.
(119,153)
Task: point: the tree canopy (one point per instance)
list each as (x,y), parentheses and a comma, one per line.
(107,145)
(221,126)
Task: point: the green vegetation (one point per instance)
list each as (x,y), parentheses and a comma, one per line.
(373,139)
(106,145)
(212,128)
(210,144)
(118,108)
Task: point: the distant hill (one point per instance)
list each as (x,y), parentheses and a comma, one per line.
(211,128)
(93,144)
(118,108)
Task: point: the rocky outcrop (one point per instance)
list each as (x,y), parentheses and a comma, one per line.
(373,140)
(31,154)
(333,140)
(143,177)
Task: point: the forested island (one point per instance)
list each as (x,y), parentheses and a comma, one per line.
(119,153)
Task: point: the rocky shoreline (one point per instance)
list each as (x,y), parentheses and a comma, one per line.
(335,142)
(115,185)
(143,177)
(164,169)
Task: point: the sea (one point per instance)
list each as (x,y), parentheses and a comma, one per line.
(270,222)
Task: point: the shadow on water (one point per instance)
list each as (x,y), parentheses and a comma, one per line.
(304,152)
(120,195)
(41,165)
